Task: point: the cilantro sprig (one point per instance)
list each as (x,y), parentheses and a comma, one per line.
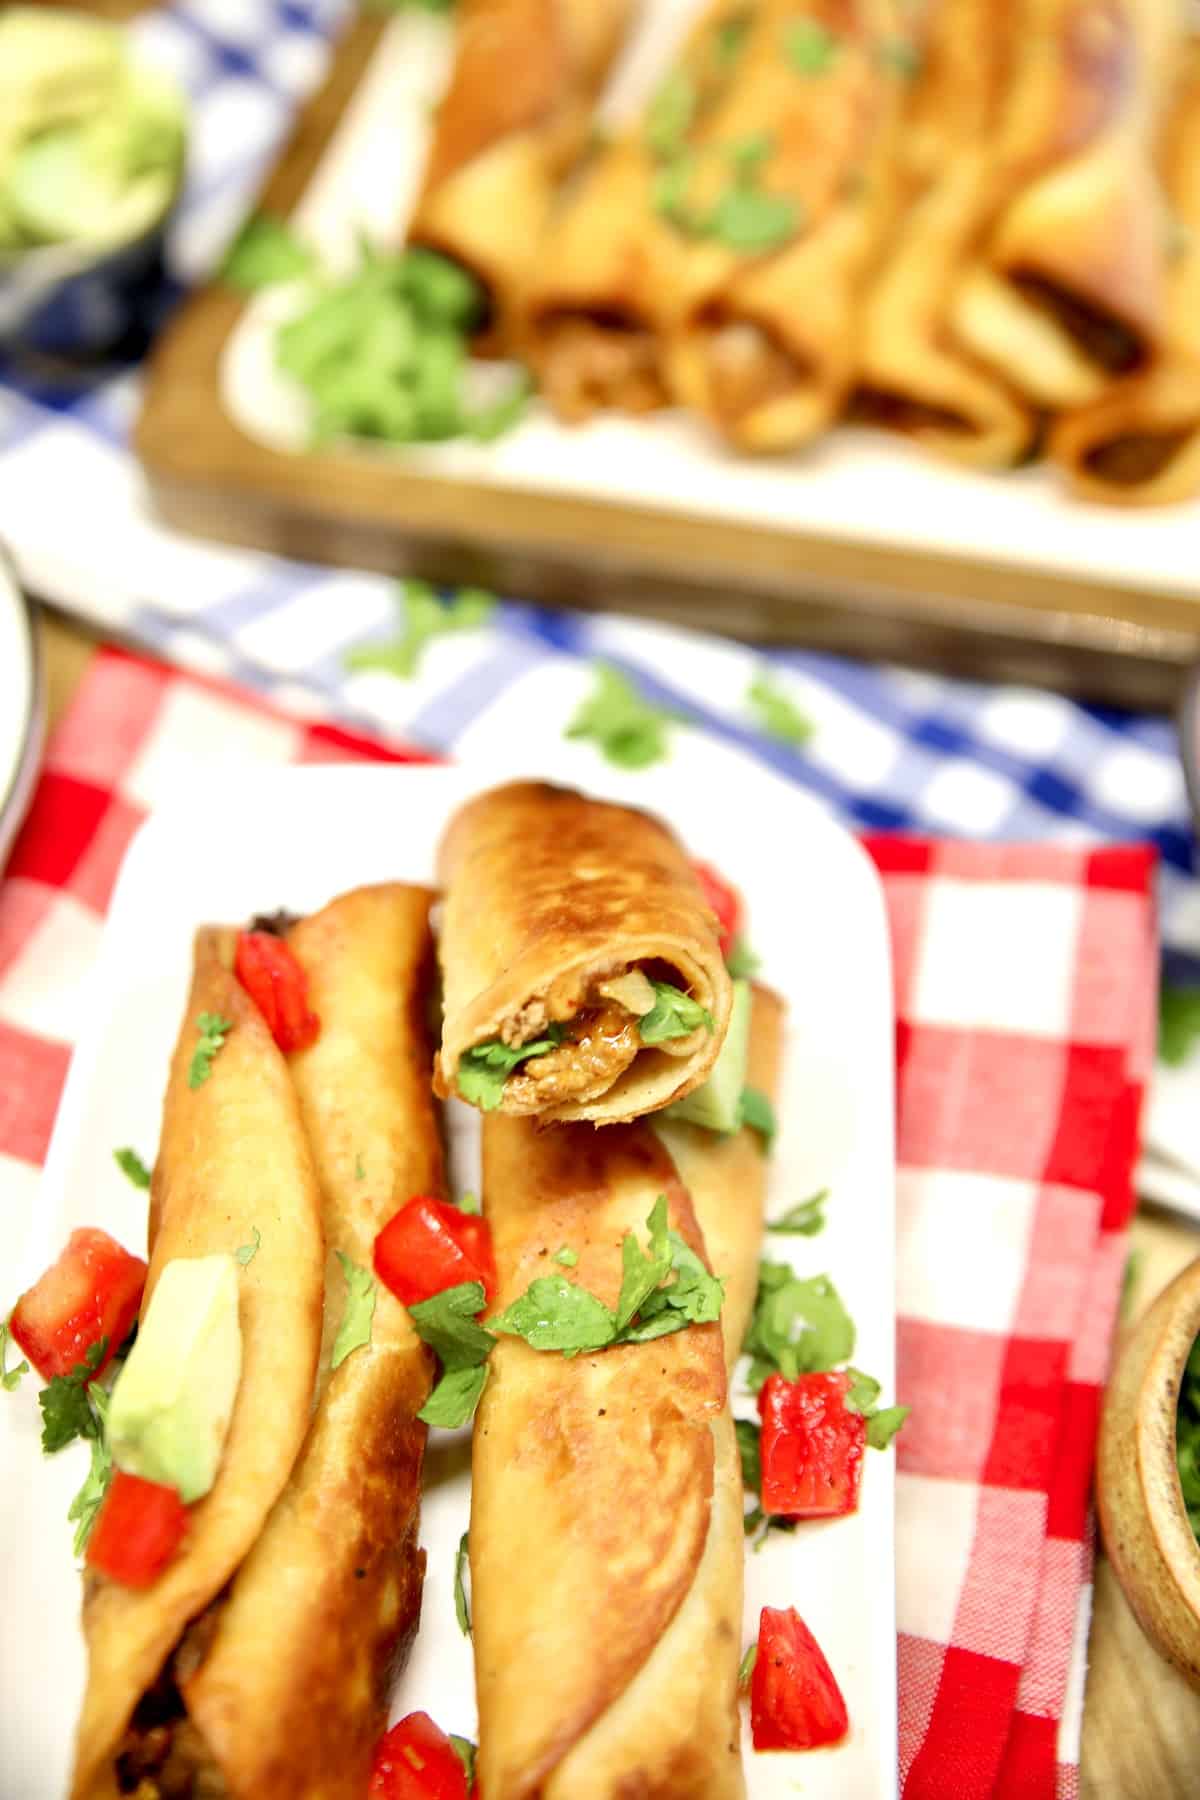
(87,1503)
(213,1031)
(805,1219)
(1187,1437)
(462,1569)
(673,1015)
(809,46)
(132,1167)
(426,615)
(799,1326)
(9,1378)
(1178,1023)
(776,713)
(742,962)
(265,251)
(756,1111)
(66,1402)
(358,1314)
(484,1069)
(629,730)
(463,1748)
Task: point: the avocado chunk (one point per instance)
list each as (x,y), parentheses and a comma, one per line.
(173,1400)
(717,1105)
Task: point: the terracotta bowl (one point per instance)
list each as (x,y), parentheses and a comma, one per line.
(1149,1540)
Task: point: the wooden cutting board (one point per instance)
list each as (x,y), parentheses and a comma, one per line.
(1083,633)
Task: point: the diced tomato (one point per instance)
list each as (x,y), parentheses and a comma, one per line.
(430,1245)
(93,1291)
(725,901)
(137,1531)
(278,986)
(795,1701)
(416,1761)
(812,1446)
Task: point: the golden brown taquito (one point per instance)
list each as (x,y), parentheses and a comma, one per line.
(559,912)
(1140,444)
(515,116)
(606,280)
(727,1177)
(292,1691)
(611,1482)
(1068,289)
(234,1159)
(911,375)
(764,342)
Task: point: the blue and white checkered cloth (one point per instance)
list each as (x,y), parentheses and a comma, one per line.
(890,748)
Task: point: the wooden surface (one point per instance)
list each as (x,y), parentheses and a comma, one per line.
(1141,1734)
(1083,635)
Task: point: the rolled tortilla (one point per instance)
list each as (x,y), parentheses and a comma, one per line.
(764,343)
(280,1682)
(911,376)
(605,285)
(1068,289)
(292,1691)
(515,116)
(1139,445)
(233,1159)
(612,1480)
(559,911)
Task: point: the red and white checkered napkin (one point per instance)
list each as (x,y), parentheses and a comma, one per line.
(1025,982)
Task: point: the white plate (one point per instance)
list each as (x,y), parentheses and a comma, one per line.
(856,485)
(296,838)
(20,706)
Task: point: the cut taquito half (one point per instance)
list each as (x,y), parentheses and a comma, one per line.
(562,919)
(911,376)
(1140,444)
(606,282)
(291,1690)
(1067,291)
(233,1159)
(611,1482)
(786,202)
(515,116)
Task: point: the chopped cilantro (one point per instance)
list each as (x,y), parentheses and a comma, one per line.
(748,152)
(642,1271)
(213,1031)
(246,1253)
(809,46)
(805,1219)
(752,221)
(470,1204)
(426,616)
(1130,1276)
(453,1401)
(883,1425)
(464,1749)
(748,1436)
(462,1611)
(355,1328)
(556,1314)
(266,250)
(87,1502)
(900,57)
(67,1410)
(483,1070)
(798,1326)
(729,40)
(671,113)
(1178,1023)
(132,1167)
(777,715)
(756,1111)
(566,1256)
(630,731)
(447,1323)
(742,962)
(746,1666)
(9,1378)
(1187,1436)
(862,1393)
(360,1173)
(673,1015)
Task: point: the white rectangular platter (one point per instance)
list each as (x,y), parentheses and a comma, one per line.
(857,486)
(296,838)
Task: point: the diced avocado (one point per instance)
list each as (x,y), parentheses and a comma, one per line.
(173,1400)
(716,1105)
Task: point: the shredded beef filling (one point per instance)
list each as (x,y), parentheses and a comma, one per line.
(1128,461)
(1105,340)
(162,1755)
(597,363)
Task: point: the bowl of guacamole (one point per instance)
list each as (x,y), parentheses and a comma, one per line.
(92,146)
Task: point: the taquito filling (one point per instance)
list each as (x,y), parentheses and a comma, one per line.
(598,361)
(162,1755)
(905,412)
(1105,340)
(1135,457)
(747,368)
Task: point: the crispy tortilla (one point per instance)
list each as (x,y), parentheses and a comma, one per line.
(292,1691)
(610,1480)
(549,897)
(1068,289)
(233,1159)
(514,118)
(1140,444)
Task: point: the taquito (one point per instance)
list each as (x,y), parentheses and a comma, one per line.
(611,1480)
(562,919)
(789,200)
(606,281)
(911,376)
(233,1159)
(281,1679)
(515,116)
(1140,444)
(1068,289)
